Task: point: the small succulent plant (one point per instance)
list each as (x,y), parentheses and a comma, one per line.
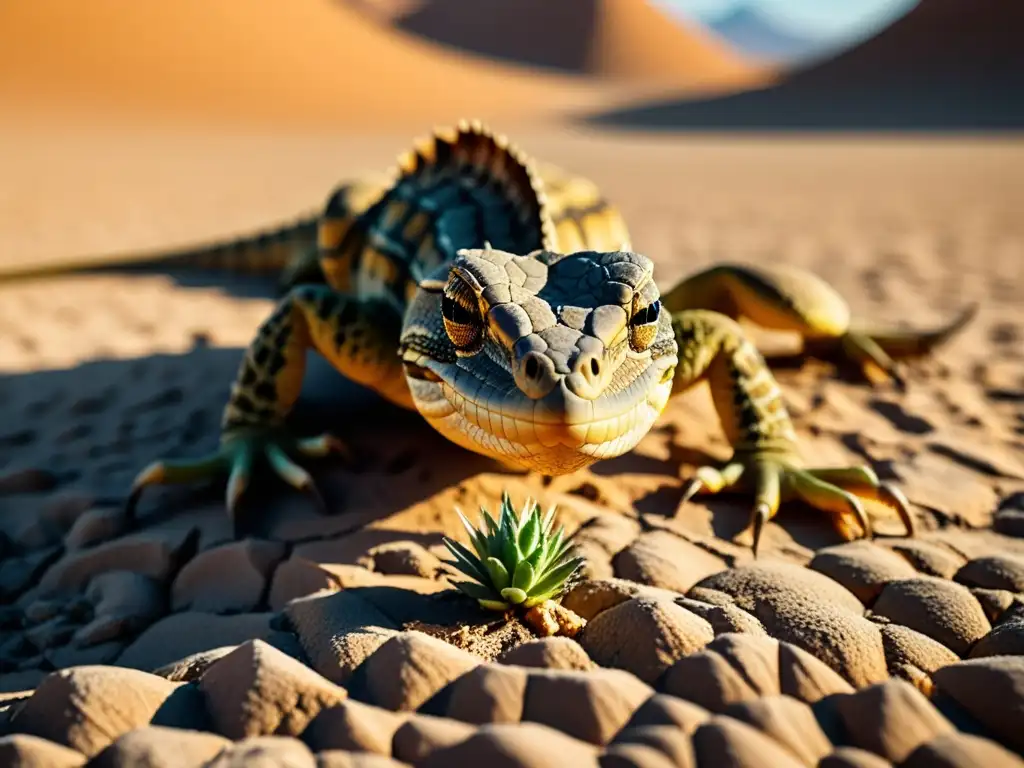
(518,562)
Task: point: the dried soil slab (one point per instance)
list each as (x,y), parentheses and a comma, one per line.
(526,745)
(724,619)
(657,743)
(124,603)
(723,741)
(589,598)
(961,750)
(156,747)
(862,567)
(943,610)
(340,759)
(1007,639)
(904,645)
(789,722)
(354,726)
(852,757)
(928,557)
(23,751)
(589,706)
(258,691)
(891,719)
(86,708)
(807,609)
(265,751)
(992,690)
(549,653)
(184,634)
(737,668)
(420,736)
(491,693)
(408,669)
(662,559)
(226,579)
(644,636)
(403,558)
(339,631)
(660,709)
(994,572)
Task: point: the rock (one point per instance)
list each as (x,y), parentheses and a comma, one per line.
(789,722)
(589,598)
(665,741)
(862,567)
(404,558)
(227,579)
(891,719)
(87,708)
(338,759)
(152,553)
(724,619)
(728,743)
(410,668)
(55,632)
(422,735)
(1007,639)
(904,645)
(640,756)
(1009,522)
(354,726)
(660,709)
(192,667)
(992,690)
(265,752)
(662,559)
(994,572)
(611,533)
(549,653)
(124,603)
(960,750)
(95,527)
(258,691)
(338,631)
(491,693)
(809,610)
(157,747)
(590,706)
(64,508)
(19,573)
(942,610)
(184,634)
(736,668)
(644,636)
(930,558)
(526,745)
(23,751)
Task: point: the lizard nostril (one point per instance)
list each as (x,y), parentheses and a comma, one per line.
(532,368)
(595,366)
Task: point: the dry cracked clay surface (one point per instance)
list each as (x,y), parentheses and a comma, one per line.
(315,640)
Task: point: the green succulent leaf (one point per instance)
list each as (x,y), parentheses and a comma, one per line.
(475,537)
(476,591)
(524,576)
(494,605)
(514,595)
(529,535)
(499,573)
(558,576)
(466,562)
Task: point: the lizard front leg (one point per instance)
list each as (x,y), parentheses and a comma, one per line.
(786,298)
(359,339)
(713,348)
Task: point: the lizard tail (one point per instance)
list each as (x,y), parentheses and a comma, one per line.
(277,251)
(914,343)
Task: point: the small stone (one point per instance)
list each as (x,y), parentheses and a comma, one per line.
(992,690)
(589,598)
(1006,639)
(994,602)
(960,750)
(491,693)
(404,558)
(23,751)
(724,741)
(724,619)
(862,567)
(523,744)
(354,726)
(158,747)
(904,645)
(994,572)
(662,559)
(422,735)
(95,527)
(64,508)
(930,558)
(265,751)
(549,653)
(192,667)
(124,603)
(664,744)
(852,757)
(789,722)
(183,634)
(50,634)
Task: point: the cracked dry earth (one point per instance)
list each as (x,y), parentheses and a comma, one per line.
(301,645)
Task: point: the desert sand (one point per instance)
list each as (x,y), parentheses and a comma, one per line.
(336,640)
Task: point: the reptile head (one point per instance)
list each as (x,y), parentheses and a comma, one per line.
(547,361)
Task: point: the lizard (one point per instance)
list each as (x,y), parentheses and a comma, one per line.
(501,299)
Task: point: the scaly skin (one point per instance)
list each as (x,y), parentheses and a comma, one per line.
(503,303)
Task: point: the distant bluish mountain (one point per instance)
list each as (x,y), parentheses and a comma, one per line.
(758,36)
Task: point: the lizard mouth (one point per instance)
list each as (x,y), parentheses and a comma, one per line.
(555,434)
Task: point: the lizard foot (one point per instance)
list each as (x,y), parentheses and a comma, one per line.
(238,452)
(837,491)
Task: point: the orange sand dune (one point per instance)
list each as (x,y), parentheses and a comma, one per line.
(622,39)
(298,61)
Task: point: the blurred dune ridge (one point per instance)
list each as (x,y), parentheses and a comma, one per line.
(946,64)
(615,39)
(324,61)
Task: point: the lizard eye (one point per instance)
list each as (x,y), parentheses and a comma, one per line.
(461,314)
(643,326)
